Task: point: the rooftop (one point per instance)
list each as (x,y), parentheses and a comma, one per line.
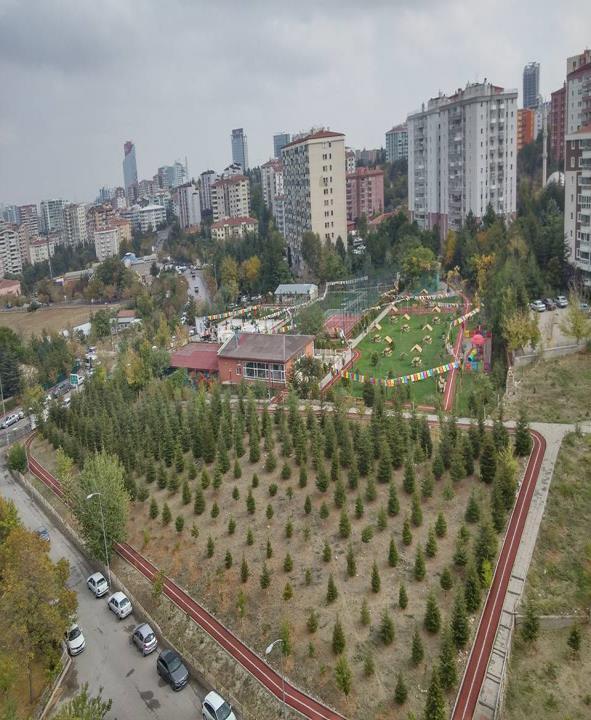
(202,357)
(319,135)
(230,180)
(295,288)
(266,348)
(6,284)
(365,172)
(234,221)
(126,314)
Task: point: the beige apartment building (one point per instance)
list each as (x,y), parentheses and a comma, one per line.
(230,198)
(106,243)
(314,180)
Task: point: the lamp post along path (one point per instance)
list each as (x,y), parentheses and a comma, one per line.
(268,651)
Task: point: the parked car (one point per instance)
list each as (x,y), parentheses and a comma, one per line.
(120,605)
(171,668)
(42,533)
(145,639)
(214,707)
(561,301)
(9,420)
(584,307)
(550,304)
(74,638)
(97,584)
(538,306)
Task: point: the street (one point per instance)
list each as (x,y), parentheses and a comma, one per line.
(110,660)
(197,281)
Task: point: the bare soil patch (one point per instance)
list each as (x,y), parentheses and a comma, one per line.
(51,319)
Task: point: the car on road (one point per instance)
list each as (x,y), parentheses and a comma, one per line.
(145,639)
(538,306)
(120,605)
(171,668)
(74,638)
(214,707)
(550,304)
(584,307)
(97,584)
(9,420)
(42,533)
(561,301)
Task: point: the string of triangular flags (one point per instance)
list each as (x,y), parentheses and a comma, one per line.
(403,379)
(461,319)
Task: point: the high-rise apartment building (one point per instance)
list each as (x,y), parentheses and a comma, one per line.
(271,181)
(397,143)
(207,179)
(52,216)
(129,171)
(10,214)
(462,156)
(365,193)
(556,124)
(11,257)
(315,190)
(171,176)
(186,204)
(280,140)
(577,199)
(525,127)
(106,243)
(29,218)
(75,224)
(531,84)
(230,197)
(350,160)
(578,92)
(239,148)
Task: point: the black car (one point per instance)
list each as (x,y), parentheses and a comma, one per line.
(172,669)
(549,303)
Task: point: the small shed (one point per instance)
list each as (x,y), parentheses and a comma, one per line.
(290,292)
(406,316)
(416,348)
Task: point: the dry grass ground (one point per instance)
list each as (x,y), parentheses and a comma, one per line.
(51,319)
(545,681)
(554,390)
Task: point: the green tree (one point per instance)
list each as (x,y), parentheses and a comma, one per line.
(153,509)
(376,582)
(392,554)
(100,483)
(576,322)
(343,675)
(402,597)
(393,503)
(400,691)
(416,513)
(244,571)
(419,566)
(523,439)
(438,467)
(431,545)
(351,564)
(472,589)
(448,671)
(406,532)
(460,629)
(488,460)
(417,650)
(344,524)
(574,640)
(409,477)
(432,619)
(440,526)
(312,621)
(446,580)
(331,590)
(472,514)
(265,579)
(338,638)
(457,469)
(364,617)
(387,628)
(435,704)
(83,706)
(198,502)
(17,458)
(530,627)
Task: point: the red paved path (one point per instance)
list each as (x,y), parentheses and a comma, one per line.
(475,670)
(250,661)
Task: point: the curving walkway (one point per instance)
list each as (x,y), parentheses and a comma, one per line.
(250,661)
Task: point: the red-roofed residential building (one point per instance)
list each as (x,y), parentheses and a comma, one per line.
(230,197)
(365,193)
(233,228)
(314,181)
(200,359)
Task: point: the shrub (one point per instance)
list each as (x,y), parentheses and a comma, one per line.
(179,523)
(367,534)
(17,458)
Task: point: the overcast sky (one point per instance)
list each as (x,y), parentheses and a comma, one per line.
(79,77)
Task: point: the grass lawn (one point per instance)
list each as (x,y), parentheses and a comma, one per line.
(545,681)
(51,319)
(424,392)
(554,390)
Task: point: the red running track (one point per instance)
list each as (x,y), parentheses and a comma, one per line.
(250,661)
(476,666)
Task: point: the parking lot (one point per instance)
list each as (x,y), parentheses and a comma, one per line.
(549,324)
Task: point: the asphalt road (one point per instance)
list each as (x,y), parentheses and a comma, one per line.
(16,431)
(110,660)
(196,281)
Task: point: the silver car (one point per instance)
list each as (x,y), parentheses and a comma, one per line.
(145,639)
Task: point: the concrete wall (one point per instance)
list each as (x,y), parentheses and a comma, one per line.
(547,354)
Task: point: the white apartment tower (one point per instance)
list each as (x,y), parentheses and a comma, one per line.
(207,180)
(578,92)
(314,180)
(577,200)
(75,224)
(462,155)
(230,197)
(11,251)
(186,205)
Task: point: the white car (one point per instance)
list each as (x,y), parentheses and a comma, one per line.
(97,584)
(120,605)
(214,707)
(75,641)
(538,306)
(561,301)
(10,420)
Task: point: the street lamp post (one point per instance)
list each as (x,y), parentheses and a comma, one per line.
(99,495)
(268,651)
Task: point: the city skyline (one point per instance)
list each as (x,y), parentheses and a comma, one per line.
(85,66)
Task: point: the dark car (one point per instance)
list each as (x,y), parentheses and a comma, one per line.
(172,669)
(550,304)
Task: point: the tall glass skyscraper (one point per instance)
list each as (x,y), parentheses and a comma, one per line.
(239,148)
(280,141)
(531,84)
(129,170)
